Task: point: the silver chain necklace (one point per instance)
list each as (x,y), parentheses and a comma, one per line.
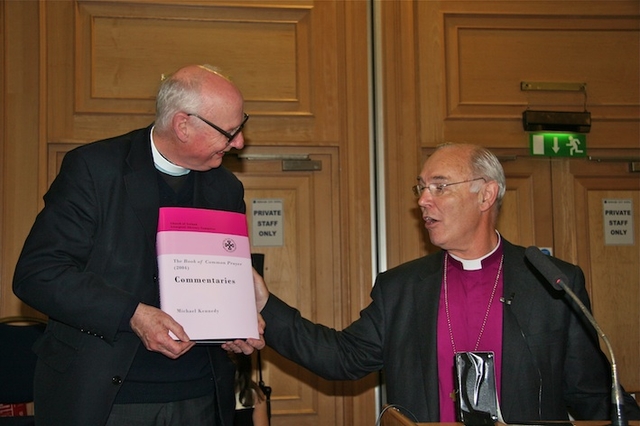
(446,303)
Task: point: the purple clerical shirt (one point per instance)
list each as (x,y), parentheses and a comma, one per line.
(469,292)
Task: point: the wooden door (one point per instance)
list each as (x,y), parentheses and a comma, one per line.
(303,268)
(580,189)
(526,213)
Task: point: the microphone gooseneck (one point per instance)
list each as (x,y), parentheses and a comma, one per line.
(559,281)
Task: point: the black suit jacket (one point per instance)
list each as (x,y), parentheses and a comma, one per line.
(551,359)
(88,259)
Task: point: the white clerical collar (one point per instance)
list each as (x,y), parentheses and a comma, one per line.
(475,264)
(164,165)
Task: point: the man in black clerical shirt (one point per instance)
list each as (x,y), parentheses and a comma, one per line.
(89,263)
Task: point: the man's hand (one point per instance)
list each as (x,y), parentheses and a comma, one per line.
(153,326)
(247,346)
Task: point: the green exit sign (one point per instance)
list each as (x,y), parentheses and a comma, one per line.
(558,144)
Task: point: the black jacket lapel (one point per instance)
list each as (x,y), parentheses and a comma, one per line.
(141,183)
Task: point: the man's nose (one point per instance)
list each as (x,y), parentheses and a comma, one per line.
(238,141)
(425,197)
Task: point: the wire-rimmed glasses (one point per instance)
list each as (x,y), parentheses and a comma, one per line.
(437,189)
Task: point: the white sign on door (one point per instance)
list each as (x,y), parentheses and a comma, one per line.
(268,223)
(618,221)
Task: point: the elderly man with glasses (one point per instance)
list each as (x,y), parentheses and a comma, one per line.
(89,263)
(478,294)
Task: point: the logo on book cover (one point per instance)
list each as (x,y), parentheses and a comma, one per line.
(229,245)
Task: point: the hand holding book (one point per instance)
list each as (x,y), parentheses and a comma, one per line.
(249,345)
(153,327)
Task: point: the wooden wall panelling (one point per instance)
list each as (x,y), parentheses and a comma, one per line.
(303,71)
(3,137)
(612,271)
(122,49)
(402,120)
(526,214)
(19,142)
(355,193)
(487,49)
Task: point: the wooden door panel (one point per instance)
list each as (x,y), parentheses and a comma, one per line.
(525,216)
(612,271)
(304,271)
(477,54)
(110,57)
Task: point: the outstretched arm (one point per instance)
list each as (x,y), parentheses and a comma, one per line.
(262,292)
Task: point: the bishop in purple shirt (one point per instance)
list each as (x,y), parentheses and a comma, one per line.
(478,293)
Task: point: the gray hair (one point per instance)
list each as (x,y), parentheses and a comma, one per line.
(175,95)
(484,163)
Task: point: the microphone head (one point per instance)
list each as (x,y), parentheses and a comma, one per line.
(541,262)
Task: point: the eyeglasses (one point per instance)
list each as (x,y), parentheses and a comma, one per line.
(437,189)
(226,134)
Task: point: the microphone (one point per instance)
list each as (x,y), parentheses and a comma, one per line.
(558,280)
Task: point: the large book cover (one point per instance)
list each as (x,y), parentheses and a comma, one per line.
(205,273)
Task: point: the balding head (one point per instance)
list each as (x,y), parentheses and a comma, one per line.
(194,88)
(480,162)
(200,116)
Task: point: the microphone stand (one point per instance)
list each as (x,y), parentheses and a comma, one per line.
(618,418)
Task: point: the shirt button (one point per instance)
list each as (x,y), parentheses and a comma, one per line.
(116,380)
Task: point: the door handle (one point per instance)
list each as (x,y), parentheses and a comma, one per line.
(634,162)
(290,162)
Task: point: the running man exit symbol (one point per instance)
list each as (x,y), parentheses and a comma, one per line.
(558,144)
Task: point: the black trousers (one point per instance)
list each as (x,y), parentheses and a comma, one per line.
(193,412)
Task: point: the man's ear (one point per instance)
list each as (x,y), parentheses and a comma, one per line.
(180,128)
(488,195)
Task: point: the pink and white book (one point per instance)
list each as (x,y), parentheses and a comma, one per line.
(205,273)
